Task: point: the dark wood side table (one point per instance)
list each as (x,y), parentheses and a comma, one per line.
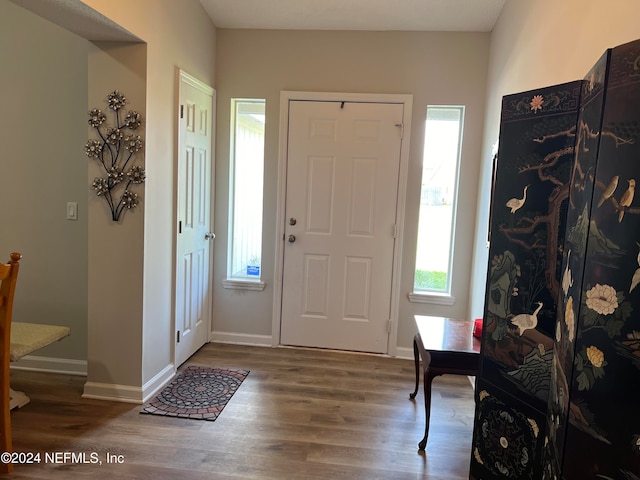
(446,346)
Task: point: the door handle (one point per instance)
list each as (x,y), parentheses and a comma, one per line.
(292,238)
(209,236)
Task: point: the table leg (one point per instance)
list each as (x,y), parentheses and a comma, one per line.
(416,359)
(428,379)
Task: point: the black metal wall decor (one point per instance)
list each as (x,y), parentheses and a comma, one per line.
(114,150)
(559,388)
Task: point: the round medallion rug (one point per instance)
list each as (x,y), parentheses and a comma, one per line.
(197,392)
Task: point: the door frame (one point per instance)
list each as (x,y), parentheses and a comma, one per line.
(180,77)
(285,97)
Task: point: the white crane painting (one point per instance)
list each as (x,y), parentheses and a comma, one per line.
(526,321)
(516,204)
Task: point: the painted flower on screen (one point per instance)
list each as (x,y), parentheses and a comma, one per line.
(536,103)
(595,356)
(570,319)
(602,299)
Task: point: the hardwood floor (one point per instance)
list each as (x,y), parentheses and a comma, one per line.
(300,414)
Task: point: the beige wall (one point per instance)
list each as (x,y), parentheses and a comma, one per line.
(43,76)
(115,248)
(538,43)
(177,34)
(115,278)
(436,68)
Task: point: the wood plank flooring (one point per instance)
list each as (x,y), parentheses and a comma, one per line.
(300,414)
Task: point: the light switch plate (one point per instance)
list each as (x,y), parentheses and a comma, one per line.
(72,210)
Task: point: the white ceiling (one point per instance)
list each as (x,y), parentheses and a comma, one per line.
(408,15)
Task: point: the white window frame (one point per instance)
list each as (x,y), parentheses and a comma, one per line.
(234,281)
(445,297)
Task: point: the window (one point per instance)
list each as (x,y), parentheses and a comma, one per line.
(440,165)
(246,172)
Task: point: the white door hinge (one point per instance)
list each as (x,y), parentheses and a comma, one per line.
(395,231)
(401,126)
(389,323)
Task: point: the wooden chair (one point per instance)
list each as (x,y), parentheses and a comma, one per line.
(8,277)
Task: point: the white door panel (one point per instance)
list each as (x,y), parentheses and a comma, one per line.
(195,174)
(342,182)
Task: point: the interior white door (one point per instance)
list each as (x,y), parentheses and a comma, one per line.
(341,196)
(194,238)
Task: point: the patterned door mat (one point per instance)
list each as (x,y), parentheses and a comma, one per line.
(197,392)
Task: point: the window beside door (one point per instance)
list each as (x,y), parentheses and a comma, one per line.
(438,200)
(246,176)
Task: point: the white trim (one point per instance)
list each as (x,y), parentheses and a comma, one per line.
(154,385)
(233,207)
(242,339)
(194,82)
(112,392)
(285,97)
(244,284)
(127,393)
(405,353)
(433,298)
(51,365)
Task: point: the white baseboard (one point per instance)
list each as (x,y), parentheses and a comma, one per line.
(267,341)
(404,352)
(51,365)
(153,386)
(241,339)
(128,393)
(112,392)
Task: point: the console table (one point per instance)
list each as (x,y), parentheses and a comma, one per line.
(446,346)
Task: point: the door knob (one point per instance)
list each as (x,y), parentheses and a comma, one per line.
(209,236)
(292,238)
(292,221)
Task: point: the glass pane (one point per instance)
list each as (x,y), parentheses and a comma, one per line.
(443,132)
(247,170)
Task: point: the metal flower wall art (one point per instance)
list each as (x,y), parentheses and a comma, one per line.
(114,150)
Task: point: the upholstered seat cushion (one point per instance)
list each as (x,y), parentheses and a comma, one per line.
(29,337)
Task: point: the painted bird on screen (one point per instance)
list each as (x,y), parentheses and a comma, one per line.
(609,189)
(526,321)
(627,198)
(636,276)
(516,204)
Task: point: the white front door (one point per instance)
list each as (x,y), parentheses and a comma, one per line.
(194,237)
(342,187)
